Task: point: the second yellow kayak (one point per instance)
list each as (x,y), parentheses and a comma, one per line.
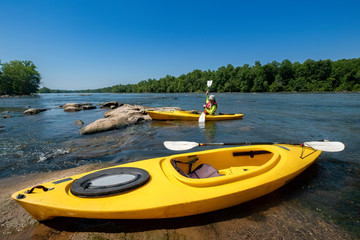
(191,116)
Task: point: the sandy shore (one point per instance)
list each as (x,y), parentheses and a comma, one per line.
(269,217)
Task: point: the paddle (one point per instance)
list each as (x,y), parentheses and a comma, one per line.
(202,116)
(325,146)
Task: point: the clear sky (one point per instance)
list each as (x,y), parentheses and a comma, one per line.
(87,44)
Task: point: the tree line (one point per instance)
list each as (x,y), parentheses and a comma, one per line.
(18,78)
(321,76)
(21,77)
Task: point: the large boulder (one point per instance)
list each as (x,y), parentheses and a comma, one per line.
(120,117)
(117,118)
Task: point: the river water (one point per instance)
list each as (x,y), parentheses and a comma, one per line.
(50,140)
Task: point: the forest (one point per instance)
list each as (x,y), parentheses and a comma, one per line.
(19,78)
(310,76)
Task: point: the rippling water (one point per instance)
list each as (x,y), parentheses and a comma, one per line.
(50,140)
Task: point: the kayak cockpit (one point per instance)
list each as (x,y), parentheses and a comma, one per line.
(222,167)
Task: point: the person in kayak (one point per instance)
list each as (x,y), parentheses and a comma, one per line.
(211,105)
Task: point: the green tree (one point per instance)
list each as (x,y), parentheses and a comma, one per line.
(259,81)
(277,85)
(45,90)
(286,72)
(19,77)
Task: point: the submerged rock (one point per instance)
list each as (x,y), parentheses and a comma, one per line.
(79,122)
(120,117)
(33,111)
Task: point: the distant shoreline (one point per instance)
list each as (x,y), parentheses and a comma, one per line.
(89,93)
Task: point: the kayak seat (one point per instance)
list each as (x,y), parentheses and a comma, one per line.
(202,171)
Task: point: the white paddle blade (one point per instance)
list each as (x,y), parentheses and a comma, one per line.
(202,118)
(209,83)
(180,145)
(326,146)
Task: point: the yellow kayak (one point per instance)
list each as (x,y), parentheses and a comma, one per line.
(166,187)
(191,116)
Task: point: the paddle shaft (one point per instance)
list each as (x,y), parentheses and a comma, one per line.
(319,145)
(243,143)
(202,116)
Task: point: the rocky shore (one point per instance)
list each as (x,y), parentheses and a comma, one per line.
(269,217)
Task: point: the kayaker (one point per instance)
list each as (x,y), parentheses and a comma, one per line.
(211,105)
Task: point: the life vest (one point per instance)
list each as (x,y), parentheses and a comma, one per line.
(209,105)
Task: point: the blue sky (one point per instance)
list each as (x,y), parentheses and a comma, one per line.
(87,44)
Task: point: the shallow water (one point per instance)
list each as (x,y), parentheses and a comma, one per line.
(51,141)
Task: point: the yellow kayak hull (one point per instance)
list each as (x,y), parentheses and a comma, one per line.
(190,116)
(247,172)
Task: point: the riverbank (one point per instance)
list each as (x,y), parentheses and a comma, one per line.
(269,217)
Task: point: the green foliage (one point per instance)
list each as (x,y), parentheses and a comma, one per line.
(45,90)
(19,77)
(321,76)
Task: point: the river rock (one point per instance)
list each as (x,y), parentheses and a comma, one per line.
(72,107)
(88,106)
(111,105)
(33,111)
(75,107)
(121,117)
(79,122)
(163,109)
(6,116)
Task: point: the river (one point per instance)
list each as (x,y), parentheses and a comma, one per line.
(50,140)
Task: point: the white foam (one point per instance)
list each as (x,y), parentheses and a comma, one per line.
(54,153)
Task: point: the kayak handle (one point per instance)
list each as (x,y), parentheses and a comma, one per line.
(45,189)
